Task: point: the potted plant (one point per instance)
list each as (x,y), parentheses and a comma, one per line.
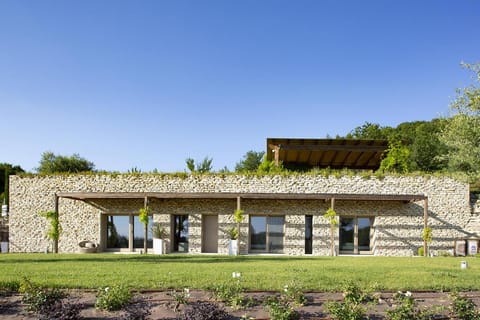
(233,244)
(159,234)
(234,247)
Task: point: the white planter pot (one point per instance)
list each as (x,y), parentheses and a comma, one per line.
(158,246)
(4,247)
(232,247)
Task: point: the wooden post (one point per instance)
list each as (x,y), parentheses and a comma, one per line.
(239,207)
(55,241)
(425,225)
(276,151)
(131,233)
(332,230)
(145,230)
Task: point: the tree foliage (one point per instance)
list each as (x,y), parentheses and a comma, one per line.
(202,167)
(52,163)
(7,169)
(397,158)
(462,131)
(250,162)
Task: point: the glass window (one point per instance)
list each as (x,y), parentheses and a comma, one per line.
(117,231)
(266,233)
(258,233)
(347,232)
(308,234)
(355,234)
(180,235)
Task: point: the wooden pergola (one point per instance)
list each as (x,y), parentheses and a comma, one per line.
(323,153)
(90,197)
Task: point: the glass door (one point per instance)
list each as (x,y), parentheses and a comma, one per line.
(180,233)
(355,235)
(347,235)
(266,234)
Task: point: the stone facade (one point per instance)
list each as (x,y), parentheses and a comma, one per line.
(396,226)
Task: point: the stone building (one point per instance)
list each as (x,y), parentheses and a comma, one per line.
(284,214)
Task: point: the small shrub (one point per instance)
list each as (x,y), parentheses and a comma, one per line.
(112,298)
(421,251)
(280,309)
(405,307)
(231,293)
(180,298)
(36,298)
(204,311)
(351,307)
(463,308)
(294,294)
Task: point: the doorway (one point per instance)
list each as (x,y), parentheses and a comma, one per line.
(209,234)
(180,233)
(355,235)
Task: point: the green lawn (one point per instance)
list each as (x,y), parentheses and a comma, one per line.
(258,272)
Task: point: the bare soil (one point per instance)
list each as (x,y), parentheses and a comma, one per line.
(160,305)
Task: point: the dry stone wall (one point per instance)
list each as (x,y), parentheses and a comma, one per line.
(397,226)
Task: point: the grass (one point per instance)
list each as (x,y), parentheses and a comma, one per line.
(258,272)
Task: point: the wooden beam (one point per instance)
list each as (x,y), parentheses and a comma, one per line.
(425,224)
(326,147)
(91,196)
(55,242)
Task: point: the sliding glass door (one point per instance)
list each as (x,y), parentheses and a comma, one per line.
(266,234)
(355,235)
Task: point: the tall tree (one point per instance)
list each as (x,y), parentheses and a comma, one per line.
(462,131)
(250,162)
(52,163)
(7,169)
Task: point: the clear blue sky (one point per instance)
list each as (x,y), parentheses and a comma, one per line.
(147,84)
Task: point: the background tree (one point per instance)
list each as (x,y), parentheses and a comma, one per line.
(52,163)
(6,169)
(250,162)
(203,167)
(462,131)
(397,158)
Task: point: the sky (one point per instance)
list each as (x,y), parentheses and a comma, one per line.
(146,84)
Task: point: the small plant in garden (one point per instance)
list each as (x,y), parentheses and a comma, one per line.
(405,308)
(36,298)
(203,310)
(180,297)
(113,298)
(351,308)
(463,308)
(294,294)
(231,292)
(281,309)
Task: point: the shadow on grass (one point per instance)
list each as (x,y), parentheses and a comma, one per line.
(176,258)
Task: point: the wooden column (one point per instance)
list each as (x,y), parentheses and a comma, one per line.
(55,242)
(425,225)
(276,151)
(332,230)
(239,207)
(145,229)
(131,233)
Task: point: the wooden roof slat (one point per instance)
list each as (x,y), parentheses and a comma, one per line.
(84,196)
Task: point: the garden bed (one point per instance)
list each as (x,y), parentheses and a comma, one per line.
(160,304)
